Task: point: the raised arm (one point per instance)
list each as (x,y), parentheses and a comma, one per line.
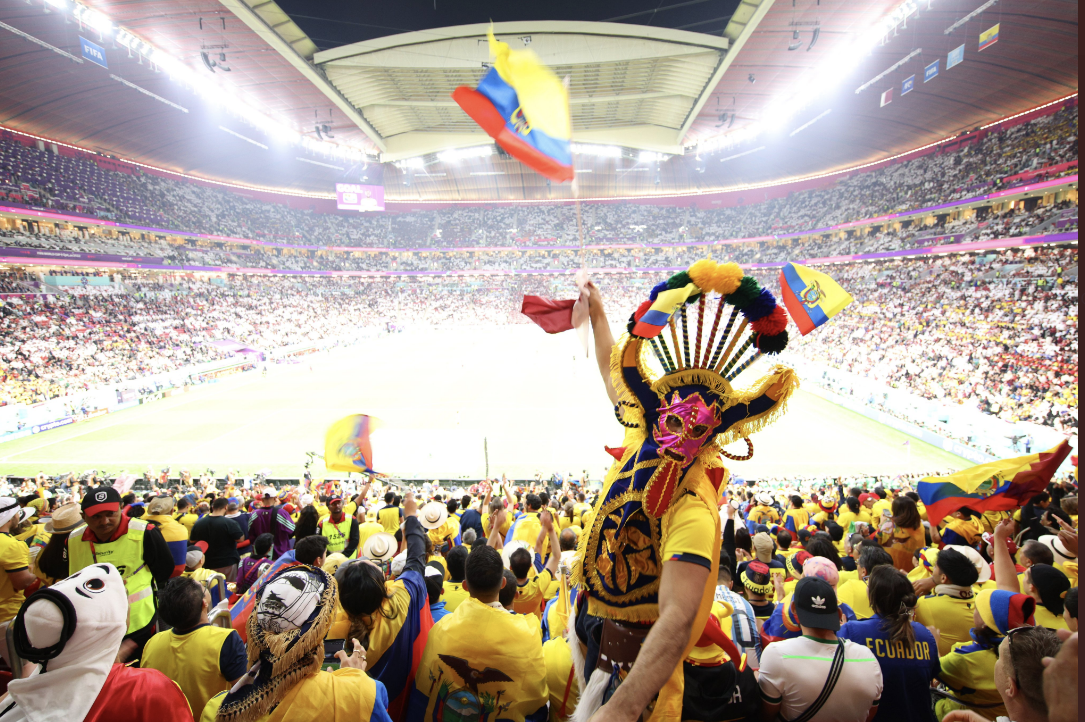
(546,519)
(604,339)
(1005,572)
(497,539)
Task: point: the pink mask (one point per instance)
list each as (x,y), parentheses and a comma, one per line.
(684,426)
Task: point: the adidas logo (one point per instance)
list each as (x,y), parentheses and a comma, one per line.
(817,603)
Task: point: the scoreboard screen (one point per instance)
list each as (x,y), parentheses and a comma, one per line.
(357,197)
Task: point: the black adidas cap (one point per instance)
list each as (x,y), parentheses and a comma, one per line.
(815,602)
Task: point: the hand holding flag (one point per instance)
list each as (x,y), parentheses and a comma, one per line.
(995,486)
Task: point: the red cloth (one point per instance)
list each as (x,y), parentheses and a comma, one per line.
(551,316)
(139,695)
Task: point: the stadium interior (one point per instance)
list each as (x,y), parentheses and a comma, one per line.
(403,361)
(167,219)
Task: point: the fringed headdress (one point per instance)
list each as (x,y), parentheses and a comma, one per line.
(737,321)
(286,641)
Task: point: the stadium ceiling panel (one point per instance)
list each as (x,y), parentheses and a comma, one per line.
(672,89)
(631,85)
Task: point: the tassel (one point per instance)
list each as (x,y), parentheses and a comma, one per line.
(677,350)
(737,356)
(726,330)
(744,366)
(730,346)
(685,337)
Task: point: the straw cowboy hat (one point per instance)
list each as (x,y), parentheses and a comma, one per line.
(433,515)
(380,547)
(64,519)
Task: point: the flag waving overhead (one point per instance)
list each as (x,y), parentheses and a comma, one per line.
(522,105)
(663,307)
(347,446)
(811,297)
(995,486)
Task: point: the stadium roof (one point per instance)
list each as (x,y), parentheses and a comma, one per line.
(629,85)
(682,88)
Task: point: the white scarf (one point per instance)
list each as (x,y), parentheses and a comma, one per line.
(954,590)
(73,680)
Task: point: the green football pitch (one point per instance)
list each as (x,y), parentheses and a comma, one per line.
(453,404)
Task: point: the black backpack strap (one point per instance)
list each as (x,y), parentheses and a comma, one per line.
(830,684)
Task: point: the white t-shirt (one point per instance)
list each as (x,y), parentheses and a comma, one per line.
(794,671)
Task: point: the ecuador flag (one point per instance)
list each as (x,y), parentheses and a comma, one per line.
(995,486)
(652,321)
(811,297)
(522,105)
(347,446)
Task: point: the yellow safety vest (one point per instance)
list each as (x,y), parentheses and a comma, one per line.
(336,534)
(126,554)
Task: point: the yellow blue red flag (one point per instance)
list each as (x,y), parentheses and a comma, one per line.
(347,446)
(522,105)
(811,297)
(663,307)
(995,486)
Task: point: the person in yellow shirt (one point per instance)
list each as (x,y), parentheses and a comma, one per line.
(950,607)
(853,592)
(481,635)
(202,660)
(968,668)
(763,512)
(852,512)
(495,508)
(883,504)
(454,593)
(962,527)
(797,517)
(581,508)
(366,528)
(295,642)
(194,568)
(527,526)
(391,515)
(186,514)
(531,588)
(1048,587)
(14,559)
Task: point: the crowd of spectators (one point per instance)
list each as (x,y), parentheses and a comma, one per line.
(80,184)
(1054,217)
(994,331)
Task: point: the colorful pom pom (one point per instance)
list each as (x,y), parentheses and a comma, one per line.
(679,280)
(702,273)
(726,278)
(748,289)
(657,289)
(760,306)
(641,310)
(771,324)
(771,344)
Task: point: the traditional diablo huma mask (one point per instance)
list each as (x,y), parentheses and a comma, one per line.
(685,425)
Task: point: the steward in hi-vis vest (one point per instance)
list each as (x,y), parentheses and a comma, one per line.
(135,547)
(340,530)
